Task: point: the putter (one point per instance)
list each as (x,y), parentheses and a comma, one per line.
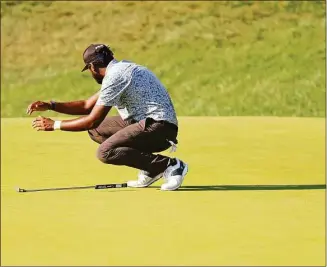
(99,186)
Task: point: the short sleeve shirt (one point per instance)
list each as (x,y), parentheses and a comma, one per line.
(136,93)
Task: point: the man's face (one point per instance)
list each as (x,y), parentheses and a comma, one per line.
(97,77)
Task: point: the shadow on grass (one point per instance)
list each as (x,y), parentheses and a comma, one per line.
(249,187)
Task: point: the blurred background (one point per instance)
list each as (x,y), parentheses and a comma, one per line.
(240,58)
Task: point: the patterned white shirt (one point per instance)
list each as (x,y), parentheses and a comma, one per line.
(136,93)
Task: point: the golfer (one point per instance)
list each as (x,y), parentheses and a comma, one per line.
(146,123)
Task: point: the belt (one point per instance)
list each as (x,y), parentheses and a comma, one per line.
(163,122)
(150,121)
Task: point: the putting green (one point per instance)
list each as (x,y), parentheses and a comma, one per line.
(254,196)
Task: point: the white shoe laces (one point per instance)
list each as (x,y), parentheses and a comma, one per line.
(142,177)
(173,147)
(143,180)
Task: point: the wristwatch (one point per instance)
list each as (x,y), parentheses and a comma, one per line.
(52,105)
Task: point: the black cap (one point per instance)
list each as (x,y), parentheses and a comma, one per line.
(96,53)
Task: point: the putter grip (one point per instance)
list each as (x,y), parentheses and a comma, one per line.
(105,186)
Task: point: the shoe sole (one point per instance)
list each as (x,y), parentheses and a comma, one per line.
(183,176)
(146,185)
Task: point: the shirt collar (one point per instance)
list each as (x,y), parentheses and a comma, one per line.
(111,63)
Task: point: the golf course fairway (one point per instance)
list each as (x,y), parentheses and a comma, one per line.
(254,195)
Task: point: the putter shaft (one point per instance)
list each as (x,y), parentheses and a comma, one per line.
(100,186)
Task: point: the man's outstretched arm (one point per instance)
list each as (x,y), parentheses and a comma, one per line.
(79,107)
(85,123)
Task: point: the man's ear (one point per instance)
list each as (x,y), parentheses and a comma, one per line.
(94,68)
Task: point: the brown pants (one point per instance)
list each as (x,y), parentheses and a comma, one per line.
(133,144)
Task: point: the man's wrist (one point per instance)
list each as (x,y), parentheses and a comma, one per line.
(52,105)
(57,125)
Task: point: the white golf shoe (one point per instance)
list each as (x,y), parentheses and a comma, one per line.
(143,180)
(174,175)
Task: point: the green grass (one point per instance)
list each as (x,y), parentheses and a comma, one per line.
(228,218)
(215,58)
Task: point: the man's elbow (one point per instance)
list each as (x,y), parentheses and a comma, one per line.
(87,109)
(93,124)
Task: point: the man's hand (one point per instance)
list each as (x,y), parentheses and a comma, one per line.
(38,106)
(43,124)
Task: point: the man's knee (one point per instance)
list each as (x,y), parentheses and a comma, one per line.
(107,154)
(94,135)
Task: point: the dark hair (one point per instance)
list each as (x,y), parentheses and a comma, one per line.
(104,56)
